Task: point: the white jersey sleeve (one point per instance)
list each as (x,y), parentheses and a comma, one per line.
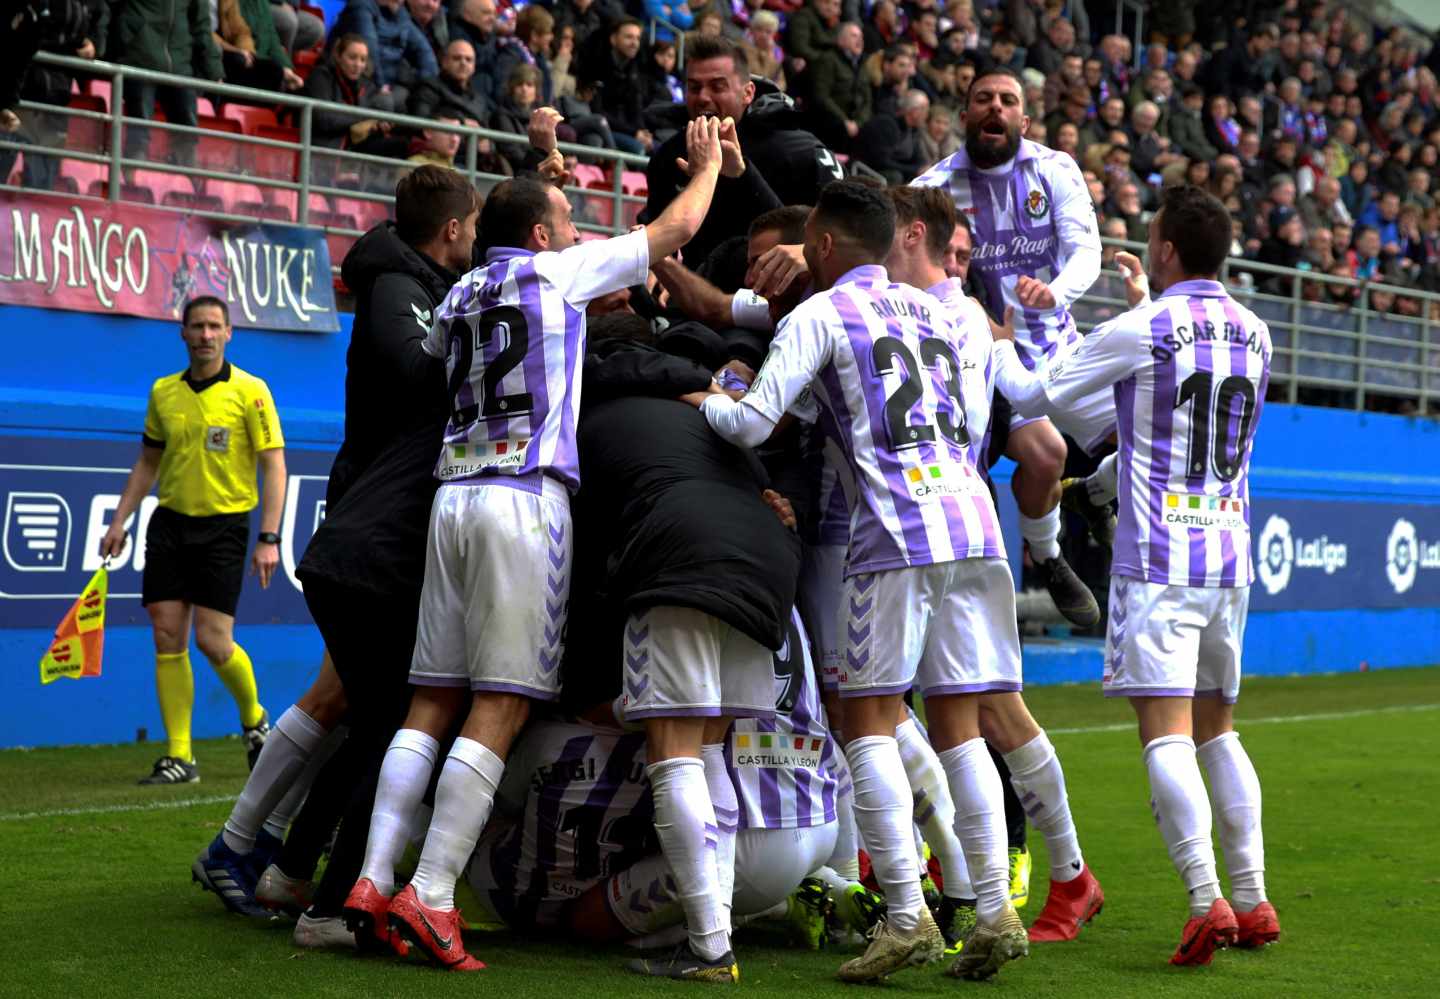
(802,346)
(1079,233)
(586,271)
(1108,355)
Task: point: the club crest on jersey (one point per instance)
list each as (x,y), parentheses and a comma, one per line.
(1036,205)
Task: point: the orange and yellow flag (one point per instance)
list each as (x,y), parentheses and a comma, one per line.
(79,641)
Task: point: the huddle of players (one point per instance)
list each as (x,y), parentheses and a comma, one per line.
(896,369)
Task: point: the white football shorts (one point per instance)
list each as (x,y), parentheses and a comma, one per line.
(680,661)
(1174,641)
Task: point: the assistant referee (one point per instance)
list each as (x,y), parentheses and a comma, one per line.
(206,429)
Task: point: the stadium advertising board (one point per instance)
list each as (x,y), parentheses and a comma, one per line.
(95,257)
(57,499)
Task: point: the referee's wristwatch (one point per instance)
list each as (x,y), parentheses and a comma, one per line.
(268,538)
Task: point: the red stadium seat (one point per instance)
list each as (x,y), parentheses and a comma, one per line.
(96,88)
(586,174)
(250,118)
(83,174)
(193,202)
(278,164)
(161,184)
(319,205)
(367,214)
(305,62)
(262,210)
(203,107)
(234,193)
(283,202)
(599,207)
(634,182)
(128,192)
(88,135)
(219,151)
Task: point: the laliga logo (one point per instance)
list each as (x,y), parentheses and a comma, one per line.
(1277,554)
(1402,558)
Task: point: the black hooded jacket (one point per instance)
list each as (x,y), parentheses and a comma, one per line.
(392,387)
(784,165)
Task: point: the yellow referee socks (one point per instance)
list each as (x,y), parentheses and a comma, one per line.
(239,678)
(176,689)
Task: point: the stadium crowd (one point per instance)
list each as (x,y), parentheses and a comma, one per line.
(1321,134)
(759,611)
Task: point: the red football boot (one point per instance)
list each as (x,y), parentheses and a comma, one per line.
(435,931)
(365,913)
(1203,935)
(1259,926)
(1069,906)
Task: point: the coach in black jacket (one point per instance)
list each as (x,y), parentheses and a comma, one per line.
(778,163)
(668,514)
(399,272)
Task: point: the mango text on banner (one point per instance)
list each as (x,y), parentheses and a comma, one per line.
(80,640)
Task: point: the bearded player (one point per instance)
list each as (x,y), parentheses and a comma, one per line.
(1037,250)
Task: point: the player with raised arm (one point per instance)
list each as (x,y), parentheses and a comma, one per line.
(493,604)
(1037,250)
(926,223)
(928,598)
(1189,372)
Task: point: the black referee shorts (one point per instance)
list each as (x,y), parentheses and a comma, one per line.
(200,560)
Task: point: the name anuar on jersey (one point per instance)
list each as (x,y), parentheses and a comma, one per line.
(887,308)
(1186,336)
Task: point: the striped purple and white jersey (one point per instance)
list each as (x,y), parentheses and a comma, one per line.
(578,808)
(512,335)
(785,768)
(1190,371)
(900,386)
(1032,216)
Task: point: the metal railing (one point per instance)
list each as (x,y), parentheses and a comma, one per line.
(345,167)
(654,24)
(1324,353)
(1137,44)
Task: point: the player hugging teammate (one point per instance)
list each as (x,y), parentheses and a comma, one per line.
(674,613)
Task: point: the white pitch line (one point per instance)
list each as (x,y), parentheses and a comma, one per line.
(160,806)
(152,806)
(1275,720)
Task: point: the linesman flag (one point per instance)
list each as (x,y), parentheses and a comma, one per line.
(79,641)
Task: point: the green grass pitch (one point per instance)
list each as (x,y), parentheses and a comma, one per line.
(97,898)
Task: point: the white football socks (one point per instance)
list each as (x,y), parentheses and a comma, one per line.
(404,775)
(845,858)
(882,815)
(1235,796)
(685,823)
(980,823)
(282,760)
(727,820)
(1042,534)
(1182,811)
(1100,484)
(1040,784)
(278,824)
(934,810)
(464,798)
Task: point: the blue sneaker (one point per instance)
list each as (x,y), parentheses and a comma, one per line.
(230,875)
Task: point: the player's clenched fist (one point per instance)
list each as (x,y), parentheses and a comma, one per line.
(1034,293)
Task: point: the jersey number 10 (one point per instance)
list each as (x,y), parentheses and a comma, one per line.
(1212,419)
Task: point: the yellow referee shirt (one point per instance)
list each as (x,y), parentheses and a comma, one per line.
(211,432)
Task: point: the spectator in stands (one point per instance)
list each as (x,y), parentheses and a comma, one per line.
(455,91)
(1284,247)
(897,69)
(770,161)
(168,36)
(890,143)
(434,26)
(438,146)
(342,80)
(1004,53)
(621,88)
(81,33)
(1125,205)
(664,86)
(585,16)
(1363,259)
(1066,139)
(671,14)
(1074,111)
(767,58)
(562,59)
(250,48)
(1417,188)
(1150,151)
(812,30)
(1109,118)
(1049,52)
(1187,130)
(1059,83)
(534,28)
(1246,65)
(476,24)
(512,114)
(1115,52)
(1322,207)
(1384,217)
(842,98)
(1356,191)
(939,139)
(924,33)
(883,29)
(298,29)
(400,55)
